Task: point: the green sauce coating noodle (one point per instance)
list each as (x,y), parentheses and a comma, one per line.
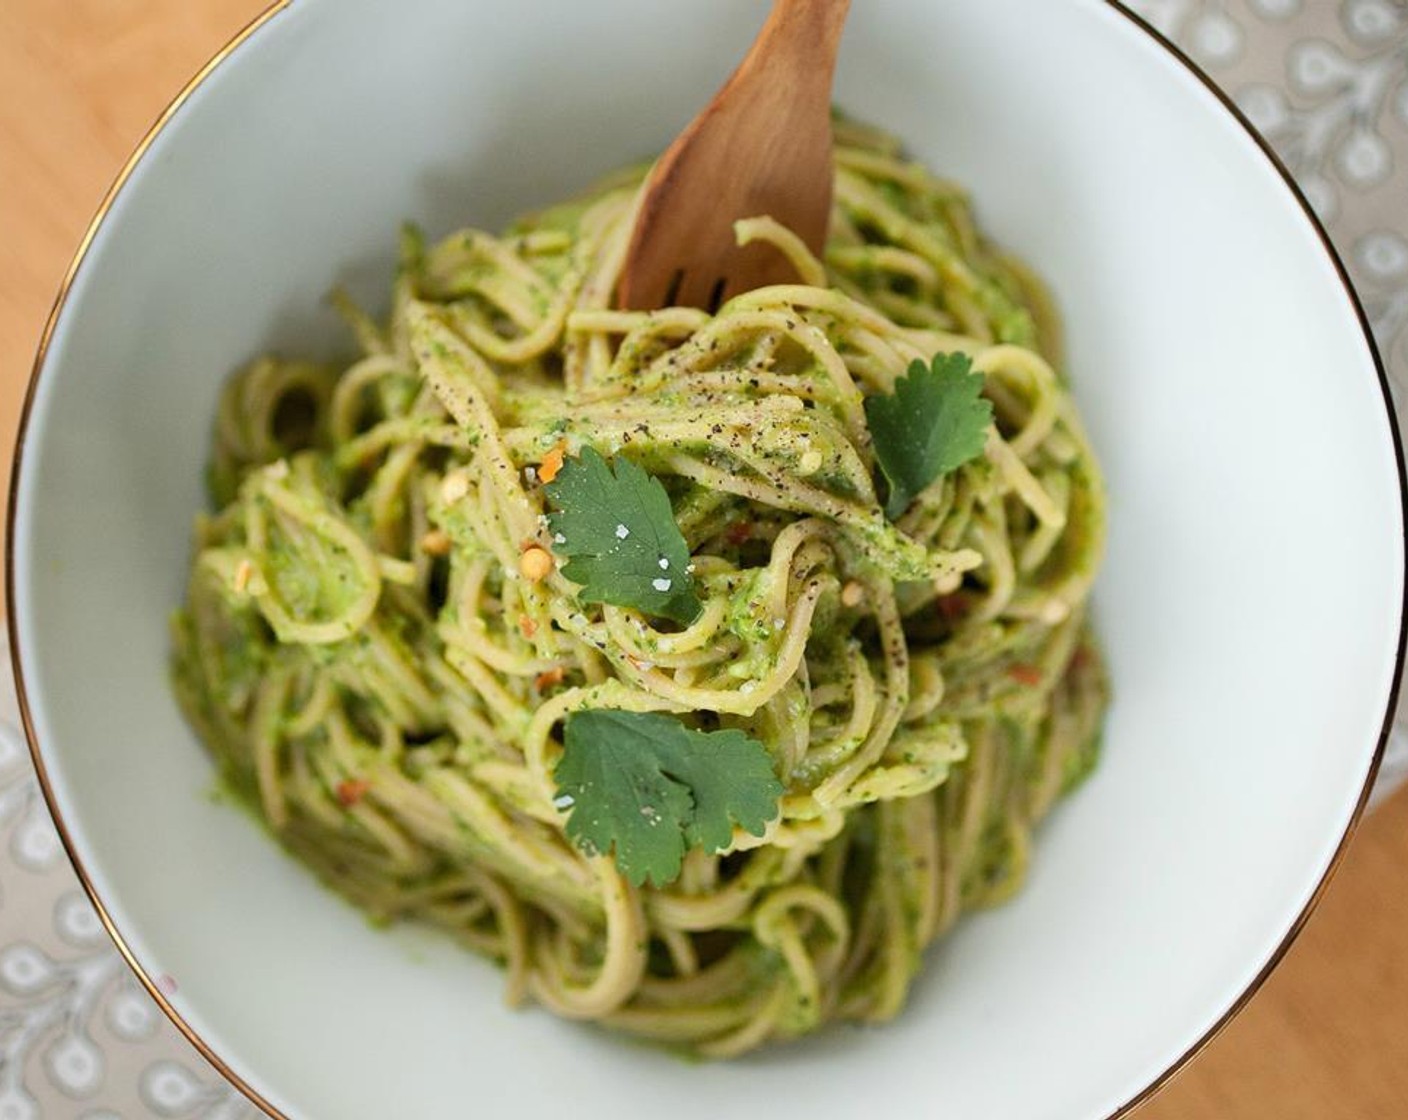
(360,653)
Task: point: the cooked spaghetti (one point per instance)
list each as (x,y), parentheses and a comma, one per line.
(380,647)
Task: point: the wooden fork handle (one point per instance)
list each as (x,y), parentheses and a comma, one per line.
(789,69)
(810,28)
(761,146)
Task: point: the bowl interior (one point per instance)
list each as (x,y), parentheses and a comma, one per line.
(1251,601)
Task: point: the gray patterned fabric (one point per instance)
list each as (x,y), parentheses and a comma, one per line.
(1327,83)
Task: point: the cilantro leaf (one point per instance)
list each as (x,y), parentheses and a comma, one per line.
(733,784)
(618,532)
(621,796)
(644,785)
(933,423)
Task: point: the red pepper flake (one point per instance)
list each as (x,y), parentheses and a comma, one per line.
(738,533)
(526,626)
(1025,674)
(352,790)
(546,679)
(953,607)
(552,462)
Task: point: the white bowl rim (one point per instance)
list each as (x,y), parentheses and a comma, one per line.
(152,984)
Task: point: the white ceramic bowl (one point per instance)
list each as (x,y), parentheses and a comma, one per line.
(1251,602)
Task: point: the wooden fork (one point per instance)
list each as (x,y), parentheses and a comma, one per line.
(762,146)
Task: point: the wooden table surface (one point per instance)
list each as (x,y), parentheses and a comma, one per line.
(81,80)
